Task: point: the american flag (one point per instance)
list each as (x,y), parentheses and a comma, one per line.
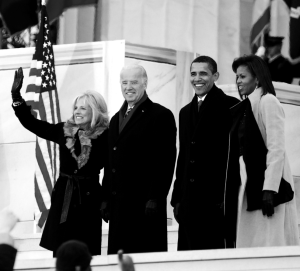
(261,18)
(41,94)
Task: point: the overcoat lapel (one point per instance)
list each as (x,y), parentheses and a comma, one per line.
(205,108)
(136,117)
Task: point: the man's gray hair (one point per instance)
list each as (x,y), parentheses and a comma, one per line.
(138,67)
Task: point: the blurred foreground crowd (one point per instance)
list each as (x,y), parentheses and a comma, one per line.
(71,255)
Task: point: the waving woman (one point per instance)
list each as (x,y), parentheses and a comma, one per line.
(77,194)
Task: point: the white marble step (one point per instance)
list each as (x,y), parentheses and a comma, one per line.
(251,259)
(28,244)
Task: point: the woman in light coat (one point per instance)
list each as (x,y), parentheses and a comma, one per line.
(260,199)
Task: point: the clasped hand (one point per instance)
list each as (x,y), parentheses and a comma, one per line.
(268,203)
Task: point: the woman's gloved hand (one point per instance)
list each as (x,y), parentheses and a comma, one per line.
(17,85)
(268,203)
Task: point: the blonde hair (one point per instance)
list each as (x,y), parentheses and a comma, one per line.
(99,108)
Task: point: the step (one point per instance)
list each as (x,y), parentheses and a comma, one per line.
(248,259)
(28,244)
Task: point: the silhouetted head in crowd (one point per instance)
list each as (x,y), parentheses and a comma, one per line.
(73,256)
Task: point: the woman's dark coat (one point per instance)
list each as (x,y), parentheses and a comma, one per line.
(84,220)
(201,171)
(142,159)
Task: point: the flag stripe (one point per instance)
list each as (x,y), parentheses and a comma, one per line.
(260,25)
(43,218)
(42,187)
(41,160)
(56,164)
(48,117)
(38,195)
(48,104)
(31,88)
(57,108)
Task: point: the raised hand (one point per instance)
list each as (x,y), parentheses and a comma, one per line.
(17,85)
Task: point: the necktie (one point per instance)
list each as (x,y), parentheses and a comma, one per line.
(199,104)
(127,112)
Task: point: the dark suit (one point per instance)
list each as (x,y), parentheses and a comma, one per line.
(281,70)
(7,257)
(142,159)
(201,171)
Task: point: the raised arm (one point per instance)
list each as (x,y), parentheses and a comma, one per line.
(42,129)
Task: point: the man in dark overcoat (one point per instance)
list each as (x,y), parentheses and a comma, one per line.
(198,194)
(142,154)
(280,67)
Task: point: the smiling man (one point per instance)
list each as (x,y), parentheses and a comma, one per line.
(142,153)
(198,193)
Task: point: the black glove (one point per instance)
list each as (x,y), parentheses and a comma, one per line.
(151,207)
(17,85)
(104,211)
(268,203)
(176,211)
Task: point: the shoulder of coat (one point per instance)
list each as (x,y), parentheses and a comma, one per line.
(269,98)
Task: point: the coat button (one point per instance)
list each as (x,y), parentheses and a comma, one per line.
(75,171)
(192,180)
(192,161)
(114,193)
(114,148)
(113,170)
(193,142)
(87,193)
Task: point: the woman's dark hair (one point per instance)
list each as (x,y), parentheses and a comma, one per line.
(259,69)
